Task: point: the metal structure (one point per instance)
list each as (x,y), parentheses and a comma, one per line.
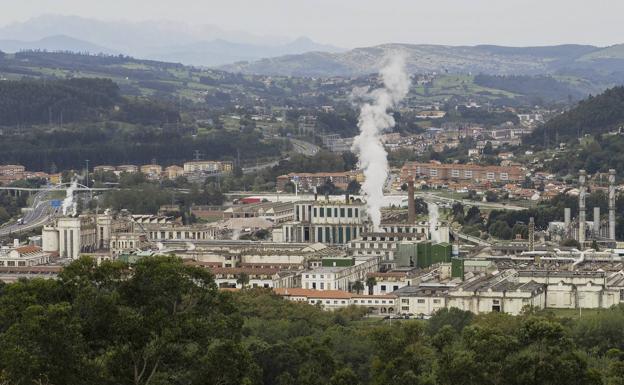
(612,204)
(531,234)
(582,208)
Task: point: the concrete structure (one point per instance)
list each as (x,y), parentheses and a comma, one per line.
(326,222)
(337,299)
(308,181)
(129,168)
(582,193)
(466,172)
(208,166)
(276,212)
(173,171)
(22,256)
(338,277)
(612,204)
(152,171)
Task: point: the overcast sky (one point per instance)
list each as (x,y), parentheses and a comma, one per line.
(350,23)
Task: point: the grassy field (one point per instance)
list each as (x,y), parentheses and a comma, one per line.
(457,85)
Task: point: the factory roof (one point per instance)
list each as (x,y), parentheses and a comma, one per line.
(418,291)
(311,293)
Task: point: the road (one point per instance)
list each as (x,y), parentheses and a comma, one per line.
(303,147)
(40,212)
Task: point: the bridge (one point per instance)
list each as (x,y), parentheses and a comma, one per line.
(469,238)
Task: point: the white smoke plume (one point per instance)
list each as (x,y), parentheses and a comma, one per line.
(69,206)
(374,119)
(432,208)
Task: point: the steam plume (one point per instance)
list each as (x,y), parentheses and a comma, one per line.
(68,202)
(374,119)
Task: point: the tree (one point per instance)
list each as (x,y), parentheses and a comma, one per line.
(358,286)
(4,215)
(370,283)
(243,280)
(490,196)
(344,376)
(354,187)
(500,229)
(473,216)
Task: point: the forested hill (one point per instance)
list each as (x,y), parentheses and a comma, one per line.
(37,102)
(594,115)
(34,101)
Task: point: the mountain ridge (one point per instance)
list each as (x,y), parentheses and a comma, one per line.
(428,58)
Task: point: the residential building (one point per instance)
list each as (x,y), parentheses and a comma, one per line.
(470,172)
(152,171)
(308,181)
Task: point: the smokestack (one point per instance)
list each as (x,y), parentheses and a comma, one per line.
(612,204)
(567,218)
(411,206)
(582,192)
(596,222)
(531,234)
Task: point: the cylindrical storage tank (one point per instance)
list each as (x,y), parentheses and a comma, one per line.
(455,250)
(49,239)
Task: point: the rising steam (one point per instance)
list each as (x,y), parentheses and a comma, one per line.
(69,206)
(374,119)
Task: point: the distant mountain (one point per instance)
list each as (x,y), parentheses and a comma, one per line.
(219,51)
(205,45)
(493,60)
(54,43)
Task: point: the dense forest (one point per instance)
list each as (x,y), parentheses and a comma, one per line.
(479,116)
(57,102)
(35,101)
(113,143)
(161,322)
(538,89)
(594,115)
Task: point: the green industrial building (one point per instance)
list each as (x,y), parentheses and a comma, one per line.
(422,254)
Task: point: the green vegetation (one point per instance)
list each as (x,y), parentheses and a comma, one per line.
(594,116)
(160,322)
(536,89)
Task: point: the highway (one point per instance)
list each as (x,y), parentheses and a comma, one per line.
(303,147)
(40,213)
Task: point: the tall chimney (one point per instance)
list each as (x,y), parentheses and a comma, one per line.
(567,218)
(596,222)
(612,204)
(411,207)
(582,192)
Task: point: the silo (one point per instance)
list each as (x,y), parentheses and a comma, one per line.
(49,239)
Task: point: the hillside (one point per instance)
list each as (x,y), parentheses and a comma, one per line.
(492,60)
(592,133)
(594,116)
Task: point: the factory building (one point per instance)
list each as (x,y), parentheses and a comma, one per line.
(325,222)
(338,274)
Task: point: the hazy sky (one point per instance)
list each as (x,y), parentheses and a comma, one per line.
(350,23)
